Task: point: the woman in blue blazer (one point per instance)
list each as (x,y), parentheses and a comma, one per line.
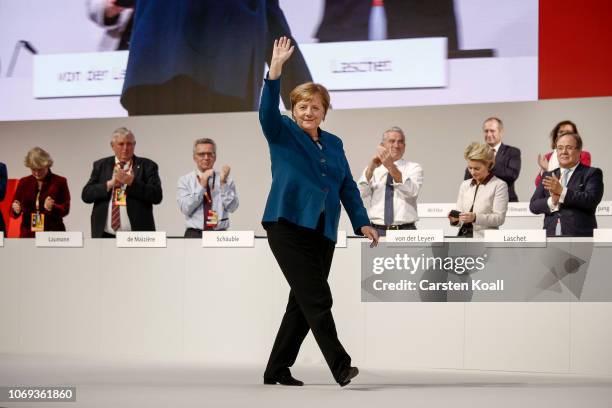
(310,177)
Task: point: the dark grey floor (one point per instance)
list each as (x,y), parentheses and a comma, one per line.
(146,384)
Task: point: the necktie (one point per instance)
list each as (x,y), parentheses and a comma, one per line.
(564,178)
(389,200)
(116,214)
(207,205)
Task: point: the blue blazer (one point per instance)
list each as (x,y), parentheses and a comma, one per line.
(306,180)
(577,212)
(3,182)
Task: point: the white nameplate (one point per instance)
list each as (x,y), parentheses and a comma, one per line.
(407,63)
(228,239)
(515,237)
(1,239)
(415,237)
(604,208)
(341,241)
(602,237)
(141,239)
(435,210)
(82,74)
(61,239)
(520,210)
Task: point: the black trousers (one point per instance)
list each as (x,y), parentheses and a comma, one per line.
(305,257)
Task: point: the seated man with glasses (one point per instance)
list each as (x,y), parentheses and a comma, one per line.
(568,196)
(206,196)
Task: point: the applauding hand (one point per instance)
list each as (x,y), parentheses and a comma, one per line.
(225,171)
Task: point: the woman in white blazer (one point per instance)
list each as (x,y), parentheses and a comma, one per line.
(483,200)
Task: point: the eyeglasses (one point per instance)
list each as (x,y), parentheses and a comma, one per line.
(568,149)
(205,154)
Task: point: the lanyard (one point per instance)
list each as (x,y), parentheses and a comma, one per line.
(36,202)
(209,190)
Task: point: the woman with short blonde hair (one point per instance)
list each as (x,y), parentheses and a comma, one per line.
(483,199)
(38,158)
(41,199)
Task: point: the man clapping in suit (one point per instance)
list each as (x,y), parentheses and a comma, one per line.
(568,196)
(123,189)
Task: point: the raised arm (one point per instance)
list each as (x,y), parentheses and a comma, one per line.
(269,115)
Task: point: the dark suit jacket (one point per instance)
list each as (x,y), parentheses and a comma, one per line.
(145,191)
(221,46)
(3,183)
(347,20)
(53,186)
(577,212)
(507,167)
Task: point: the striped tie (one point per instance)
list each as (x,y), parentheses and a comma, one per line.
(115,213)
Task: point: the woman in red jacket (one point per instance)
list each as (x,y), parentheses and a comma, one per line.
(42,199)
(548,161)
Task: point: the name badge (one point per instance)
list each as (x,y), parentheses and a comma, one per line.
(120,197)
(141,239)
(228,239)
(61,239)
(37,222)
(415,237)
(515,238)
(212,219)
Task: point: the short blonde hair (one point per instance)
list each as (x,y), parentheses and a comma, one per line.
(307,91)
(37,159)
(481,152)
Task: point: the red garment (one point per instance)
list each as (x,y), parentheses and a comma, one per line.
(53,186)
(585,159)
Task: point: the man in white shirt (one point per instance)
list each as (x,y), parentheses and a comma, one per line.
(206,196)
(390,185)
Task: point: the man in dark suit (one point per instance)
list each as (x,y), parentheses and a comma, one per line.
(190,56)
(569,195)
(507,158)
(123,189)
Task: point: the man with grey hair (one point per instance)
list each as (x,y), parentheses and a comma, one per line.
(390,185)
(206,196)
(123,189)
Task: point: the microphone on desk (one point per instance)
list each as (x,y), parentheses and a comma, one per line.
(18,46)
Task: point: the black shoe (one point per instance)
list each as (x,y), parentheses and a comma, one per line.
(286,379)
(347,375)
